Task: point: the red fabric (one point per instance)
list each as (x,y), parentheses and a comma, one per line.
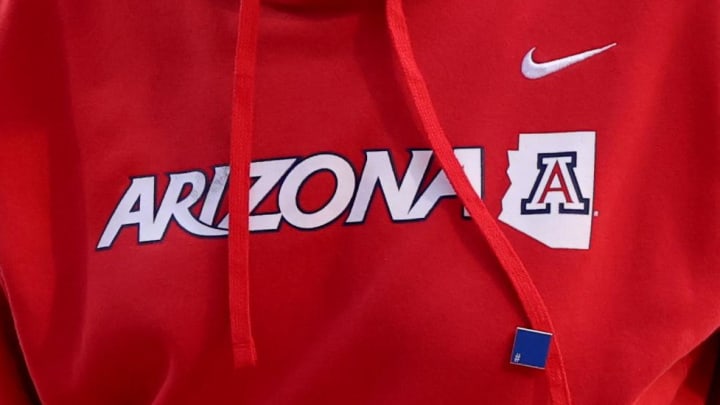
(686,382)
(96,96)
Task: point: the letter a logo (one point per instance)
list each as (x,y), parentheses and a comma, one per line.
(552,179)
(556,183)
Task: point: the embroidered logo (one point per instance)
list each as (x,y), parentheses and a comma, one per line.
(550,197)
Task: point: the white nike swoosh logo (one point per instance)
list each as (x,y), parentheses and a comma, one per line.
(534,70)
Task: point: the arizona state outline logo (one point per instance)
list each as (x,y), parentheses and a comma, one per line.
(552,180)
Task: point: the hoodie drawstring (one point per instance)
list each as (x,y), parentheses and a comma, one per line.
(529,297)
(243,345)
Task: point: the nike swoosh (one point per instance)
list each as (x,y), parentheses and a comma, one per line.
(534,70)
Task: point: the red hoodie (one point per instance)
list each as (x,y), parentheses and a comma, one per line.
(361,135)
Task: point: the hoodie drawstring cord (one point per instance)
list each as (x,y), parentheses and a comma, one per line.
(243,345)
(527,293)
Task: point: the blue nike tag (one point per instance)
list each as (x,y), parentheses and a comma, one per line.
(531,348)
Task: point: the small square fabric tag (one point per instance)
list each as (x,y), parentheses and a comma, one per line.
(531,348)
